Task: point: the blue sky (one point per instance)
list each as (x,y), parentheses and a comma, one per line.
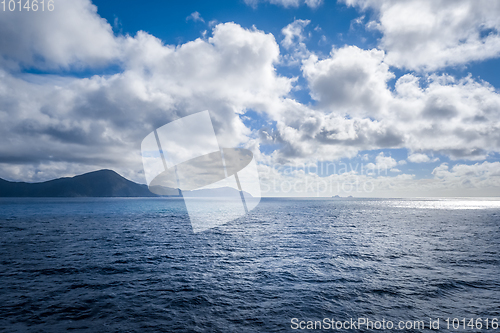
(407,88)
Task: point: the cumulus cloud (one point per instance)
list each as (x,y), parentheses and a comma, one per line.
(294,41)
(351,81)
(421,158)
(461,180)
(480,179)
(74,35)
(418,158)
(195,17)
(294,33)
(480,175)
(305,133)
(313,3)
(383,163)
(428,35)
(439,114)
(453,117)
(59,124)
(287,3)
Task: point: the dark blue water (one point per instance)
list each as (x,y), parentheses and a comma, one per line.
(133,265)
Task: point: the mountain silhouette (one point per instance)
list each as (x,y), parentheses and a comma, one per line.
(102,183)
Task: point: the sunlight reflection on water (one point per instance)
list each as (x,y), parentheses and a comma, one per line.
(473,203)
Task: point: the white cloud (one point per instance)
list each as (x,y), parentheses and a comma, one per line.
(304,133)
(480,179)
(196,17)
(314,3)
(461,180)
(294,33)
(385,162)
(294,42)
(479,175)
(356,22)
(418,158)
(441,114)
(287,3)
(382,164)
(100,121)
(428,34)
(351,81)
(73,35)
(448,116)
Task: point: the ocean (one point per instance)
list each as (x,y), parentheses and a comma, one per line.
(134,265)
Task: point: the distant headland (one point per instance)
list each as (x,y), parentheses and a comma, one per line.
(101,183)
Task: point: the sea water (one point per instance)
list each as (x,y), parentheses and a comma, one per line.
(134,265)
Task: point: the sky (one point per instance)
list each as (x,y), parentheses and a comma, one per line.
(369,98)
